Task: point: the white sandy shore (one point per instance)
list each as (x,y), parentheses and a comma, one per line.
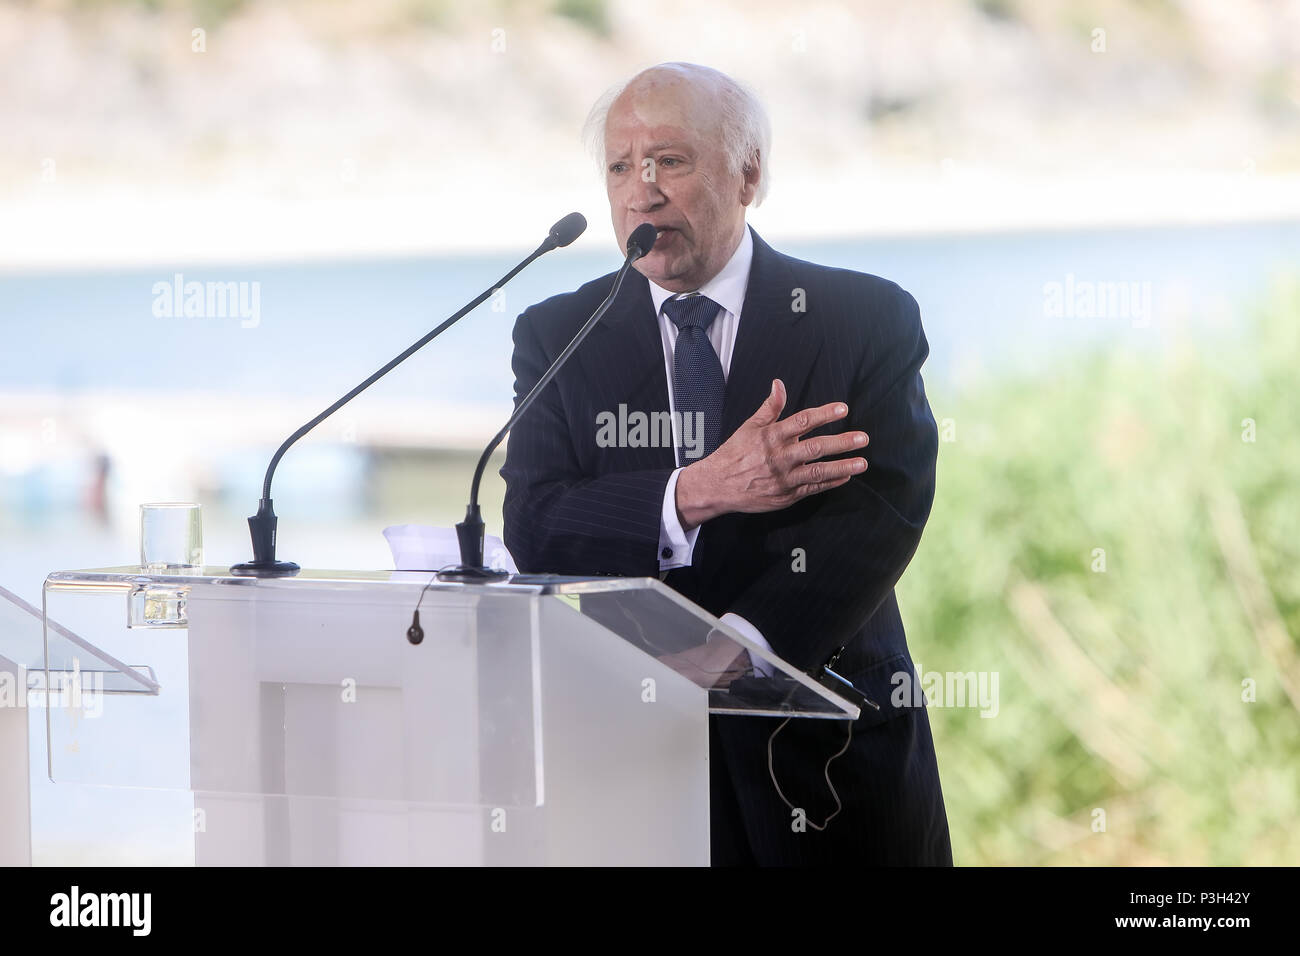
(62,228)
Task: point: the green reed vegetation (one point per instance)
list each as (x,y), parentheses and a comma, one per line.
(1161,688)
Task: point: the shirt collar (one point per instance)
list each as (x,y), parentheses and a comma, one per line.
(727,288)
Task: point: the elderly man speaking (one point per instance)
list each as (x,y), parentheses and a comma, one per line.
(793,505)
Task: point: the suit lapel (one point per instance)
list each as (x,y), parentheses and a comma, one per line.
(773,341)
(631,360)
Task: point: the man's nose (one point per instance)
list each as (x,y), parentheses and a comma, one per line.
(644,195)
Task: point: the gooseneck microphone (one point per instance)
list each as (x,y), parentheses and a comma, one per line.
(469,533)
(262,525)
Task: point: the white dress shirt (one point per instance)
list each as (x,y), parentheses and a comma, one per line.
(727,288)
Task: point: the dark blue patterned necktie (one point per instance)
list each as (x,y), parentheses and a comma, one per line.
(698,383)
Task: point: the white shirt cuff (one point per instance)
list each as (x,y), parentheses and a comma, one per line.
(675,545)
(766,668)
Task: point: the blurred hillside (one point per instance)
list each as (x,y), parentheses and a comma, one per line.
(291,128)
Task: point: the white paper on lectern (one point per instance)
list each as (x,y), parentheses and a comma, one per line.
(420,547)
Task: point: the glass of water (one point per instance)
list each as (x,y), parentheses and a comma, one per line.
(171,538)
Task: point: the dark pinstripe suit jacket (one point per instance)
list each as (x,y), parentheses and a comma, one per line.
(574,507)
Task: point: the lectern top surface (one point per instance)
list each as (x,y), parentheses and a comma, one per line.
(219,574)
(740,676)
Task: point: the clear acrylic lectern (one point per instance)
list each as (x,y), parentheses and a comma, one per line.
(541,720)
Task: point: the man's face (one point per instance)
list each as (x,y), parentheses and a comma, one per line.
(664,165)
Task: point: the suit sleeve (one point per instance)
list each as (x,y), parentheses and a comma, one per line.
(556,519)
(857,539)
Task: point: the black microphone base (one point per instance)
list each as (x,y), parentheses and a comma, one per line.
(468,574)
(265,569)
(261,527)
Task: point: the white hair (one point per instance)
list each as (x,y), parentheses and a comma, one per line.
(746,130)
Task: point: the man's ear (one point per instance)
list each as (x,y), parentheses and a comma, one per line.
(751,172)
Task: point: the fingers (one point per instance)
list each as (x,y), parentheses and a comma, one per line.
(810,418)
(820,472)
(811,449)
(820,486)
(772,406)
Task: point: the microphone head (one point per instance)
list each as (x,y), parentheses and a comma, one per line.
(569,228)
(641,241)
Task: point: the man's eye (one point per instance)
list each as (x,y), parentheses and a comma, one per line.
(668,161)
(617,167)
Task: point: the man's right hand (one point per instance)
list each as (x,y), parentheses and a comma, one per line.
(764,466)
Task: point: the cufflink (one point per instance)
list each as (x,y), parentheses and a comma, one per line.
(666,553)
